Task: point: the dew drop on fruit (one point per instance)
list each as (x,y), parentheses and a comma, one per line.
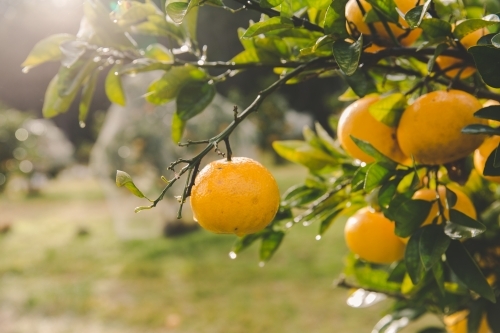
(232,255)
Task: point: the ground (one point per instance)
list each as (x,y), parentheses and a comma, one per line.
(54,279)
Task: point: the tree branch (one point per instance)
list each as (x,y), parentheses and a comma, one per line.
(213,142)
(297,21)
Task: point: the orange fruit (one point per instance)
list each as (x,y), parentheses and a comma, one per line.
(463,204)
(468,41)
(355,18)
(457,323)
(370,235)
(235,197)
(356,120)
(481,155)
(430,128)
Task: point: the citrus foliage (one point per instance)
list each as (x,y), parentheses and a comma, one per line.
(424,60)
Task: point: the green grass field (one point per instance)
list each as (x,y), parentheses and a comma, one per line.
(54,280)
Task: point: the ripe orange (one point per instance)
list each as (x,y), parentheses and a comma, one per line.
(468,41)
(354,17)
(430,128)
(463,204)
(370,235)
(357,121)
(457,323)
(235,197)
(481,155)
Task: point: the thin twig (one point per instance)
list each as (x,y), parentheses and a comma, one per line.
(297,21)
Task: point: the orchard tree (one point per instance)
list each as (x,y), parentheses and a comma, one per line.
(414,163)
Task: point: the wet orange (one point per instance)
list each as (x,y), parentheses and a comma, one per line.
(357,121)
(235,197)
(430,128)
(370,235)
(354,17)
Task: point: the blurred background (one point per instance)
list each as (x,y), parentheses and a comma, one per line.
(73,255)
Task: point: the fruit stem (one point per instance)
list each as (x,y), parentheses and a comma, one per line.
(228,149)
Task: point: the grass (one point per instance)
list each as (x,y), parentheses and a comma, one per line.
(54,278)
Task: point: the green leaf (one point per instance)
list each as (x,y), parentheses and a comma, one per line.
(433,244)
(86,99)
(53,104)
(469,26)
(480,129)
(347,55)
(178,126)
(71,78)
(462,226)
(72,51)
(46,50)
(410,215)
(328,142)
(177,10)
(398,273)
(438,273)
(387,8)
(302,153)
(490,112)
(361,83)
(159,52)
(387,191)
(124,179)
(435,28)
(415,15)
(432,61)
(413,263)
(144,65)
(495,41)
(168,86)
(113,86)
(467,271)
(244,242)
(193,98)
(335,21)
(270,243)
(388,110)
(492,311)
(330,219)
(476,312)
(271,24)
(358,179)
(367,148)
(487,59)
(376,174)
(270,3)
(451,198)
(491,167)
(298,195)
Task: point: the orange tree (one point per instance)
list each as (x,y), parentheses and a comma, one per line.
(423,223)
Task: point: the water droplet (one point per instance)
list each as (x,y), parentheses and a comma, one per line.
(457,231)
(362,298)
(115,21)
(297,219)
(82,124)
(262,264)
(200,62)
(116,73)
(289,224)
(232,255)
(25,69)
(306,223)
(97,59)
(318,237)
